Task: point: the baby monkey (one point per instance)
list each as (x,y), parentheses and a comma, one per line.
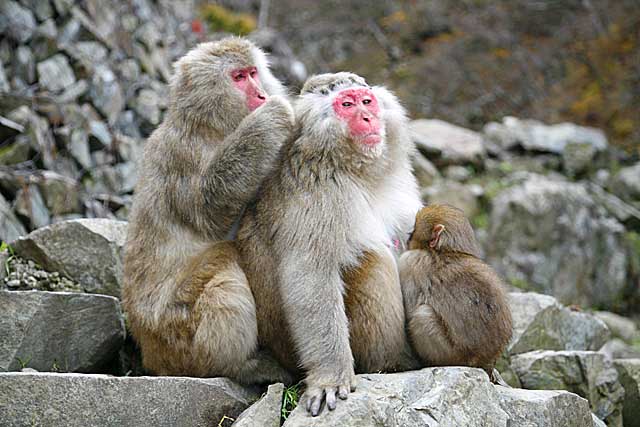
(456,307)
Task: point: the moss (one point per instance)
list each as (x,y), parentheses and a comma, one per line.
(289,400)
(481,221)
(521,284)
(221,19)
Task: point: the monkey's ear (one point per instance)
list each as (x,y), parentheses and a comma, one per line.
(437,231)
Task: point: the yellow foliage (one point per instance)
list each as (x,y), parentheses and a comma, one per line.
(220,19)
(501,53)
(398,17)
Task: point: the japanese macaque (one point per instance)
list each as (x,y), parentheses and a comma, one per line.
(455,304)
(187,300)
(317,244)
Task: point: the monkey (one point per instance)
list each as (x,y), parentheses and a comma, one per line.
(456,306)
(317,243)
(188,304)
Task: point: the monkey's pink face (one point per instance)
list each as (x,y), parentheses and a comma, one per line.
(359,109)
(248,82)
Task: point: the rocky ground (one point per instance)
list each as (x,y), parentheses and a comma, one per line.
(556,208)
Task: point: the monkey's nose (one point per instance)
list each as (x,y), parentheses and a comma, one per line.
(261,96)
(366,119)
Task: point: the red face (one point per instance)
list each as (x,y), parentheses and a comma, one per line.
(247,81)
(359,109)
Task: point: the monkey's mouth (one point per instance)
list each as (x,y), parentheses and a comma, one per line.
(370,140)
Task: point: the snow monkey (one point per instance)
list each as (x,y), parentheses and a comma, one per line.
(317,244)
(455,304)
(188,303)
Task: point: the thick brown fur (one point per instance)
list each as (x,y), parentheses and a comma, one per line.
(455,304)
(317,245)
(187,300)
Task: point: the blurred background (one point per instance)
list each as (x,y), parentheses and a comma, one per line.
(526,115)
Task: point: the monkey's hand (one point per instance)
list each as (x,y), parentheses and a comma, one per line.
(275,119)
(327,387)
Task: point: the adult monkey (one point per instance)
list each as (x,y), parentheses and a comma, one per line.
(187,300)
(316,245)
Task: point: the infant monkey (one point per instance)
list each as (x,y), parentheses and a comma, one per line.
(456,307)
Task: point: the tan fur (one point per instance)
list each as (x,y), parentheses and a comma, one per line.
(187,299)
(315,244)
(455,303)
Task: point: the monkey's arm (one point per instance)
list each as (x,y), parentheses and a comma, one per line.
(315,311)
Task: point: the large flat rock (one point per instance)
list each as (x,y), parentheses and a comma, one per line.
(77,400)
(64,331)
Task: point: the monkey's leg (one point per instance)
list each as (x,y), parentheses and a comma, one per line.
(376,315)
(430,338)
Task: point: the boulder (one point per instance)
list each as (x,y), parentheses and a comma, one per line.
(536,136)
(88,251)
(445,144)
(551,235)
(463,196)
(620,326)
(578,157)
(541,323)
(265,412)
(425,172)
(76,400)
(587,373)
(626,183)
(59,331)
(629,374)
(453,396)
(618,349)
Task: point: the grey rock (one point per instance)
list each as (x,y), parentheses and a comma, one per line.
(540,322)
(533,135)
(588,374)
(42,8)
(626,183)
(69,32)
(88,251)
(617,349)
(17,152)
(76,400)
(465,197)
(445,144)
(106,93)
(577,158)
(425,172)
(10,227)
(597,422)
(553,236)
(55,74)
(265,412)
(64,331)
(118,179)
(63,6)
(543,408)
(60,193)
(624,212)
(146,105)
(91,54)
(619,326)
(4,83)
(26,275)
(73,92)
(24,64)
(458,173)
(629,374)
(99,130)
(29,203)
(79,147)
(16,22)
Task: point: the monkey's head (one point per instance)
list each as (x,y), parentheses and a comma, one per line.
(443,228)
(218,83)
(341,113)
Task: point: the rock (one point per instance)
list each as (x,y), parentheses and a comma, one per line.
(588,374)
(17,152)
(597,422)
(106,93)
(453,396)
(10,227)
(70,332)
(619,326)
(146,105)
(55,74)
(424,171)
(25,275)
(42,8)
(265,412)
(550,234)
(543,408)
(626,183)
(76,400)
(16,22)
(91,55)
(465,197)
(60,193)
(88,251)
(446,144)
(629,374)
(539,322)
(618,349)
(622,211)
(4,83)
(24,65)
(79,148)
(577,158)
(458,173)
(118,179)
(533,135)
(29,203)
(99,130)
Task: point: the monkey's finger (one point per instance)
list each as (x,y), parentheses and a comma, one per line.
(315,405)
(343,392)
(331,398)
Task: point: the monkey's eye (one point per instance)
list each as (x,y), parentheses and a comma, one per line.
(239,77)
(347,104)
(366,101)
(253,73)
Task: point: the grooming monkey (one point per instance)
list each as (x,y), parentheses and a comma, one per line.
(188,303)
(455,304)
(316,245)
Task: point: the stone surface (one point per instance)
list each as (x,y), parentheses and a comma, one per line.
(618,349)
(552,236)
(10,227)
(75,400)
(16,21)
(444,143)
(59,331)
(629,374)
(88,251)
(106,93)
(265,412)
(425,171)
(619,326)
(541,323)
(30,204)
(588,374)
(55,74)
(626,183)
(462,196)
